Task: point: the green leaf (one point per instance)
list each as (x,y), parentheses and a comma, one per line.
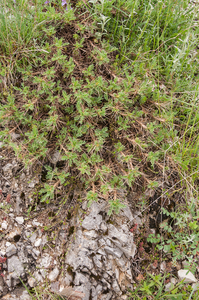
(115,206)
(91,196)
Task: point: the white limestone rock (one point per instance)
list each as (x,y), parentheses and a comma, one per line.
(19,220)
(187,276)
(11,250)
(38,242)
(15,266)
(53,274)
(4,225)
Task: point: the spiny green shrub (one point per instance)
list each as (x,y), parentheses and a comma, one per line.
(71,95)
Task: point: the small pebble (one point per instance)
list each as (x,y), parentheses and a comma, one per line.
(35,223)
(19,220)
(163,266)
(36,252)
(38,242)
(11,250)
(31,281)
(187,276)
(53,275)
(4,225)
(168,287)
(195,286)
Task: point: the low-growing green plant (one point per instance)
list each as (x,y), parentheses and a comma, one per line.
(153,287)
(115,206)
(180,236)
(5,207)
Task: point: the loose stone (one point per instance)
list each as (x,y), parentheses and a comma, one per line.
(54,274)
(187,276)
(11,250)
(19,220)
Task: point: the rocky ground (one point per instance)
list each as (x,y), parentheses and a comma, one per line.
(72,251)
(90,252)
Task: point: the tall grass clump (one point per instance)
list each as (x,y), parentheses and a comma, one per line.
(18,25)
(21,23)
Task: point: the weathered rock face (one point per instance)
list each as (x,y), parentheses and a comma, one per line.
(100,255)
(98,251)
(97,263)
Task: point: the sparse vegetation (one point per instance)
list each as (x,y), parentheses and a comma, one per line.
(113,87)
